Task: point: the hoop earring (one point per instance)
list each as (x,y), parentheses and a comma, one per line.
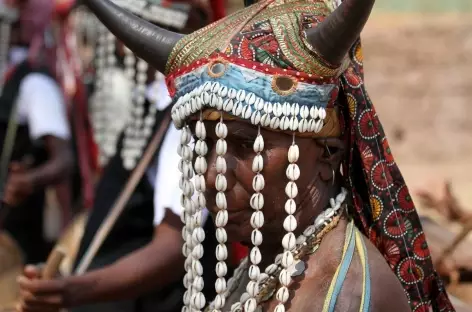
(334,176)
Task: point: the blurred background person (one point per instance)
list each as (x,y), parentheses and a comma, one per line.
(136,267)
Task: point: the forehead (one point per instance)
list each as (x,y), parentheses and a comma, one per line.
(240,130)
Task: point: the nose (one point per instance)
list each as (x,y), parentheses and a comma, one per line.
(224,165)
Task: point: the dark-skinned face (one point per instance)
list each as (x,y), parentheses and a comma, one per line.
(314,184)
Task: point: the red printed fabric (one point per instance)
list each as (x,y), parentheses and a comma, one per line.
(382,205)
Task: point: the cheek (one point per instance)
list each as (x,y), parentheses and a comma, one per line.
(275,164)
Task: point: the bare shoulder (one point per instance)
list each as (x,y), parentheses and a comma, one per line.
(387,293)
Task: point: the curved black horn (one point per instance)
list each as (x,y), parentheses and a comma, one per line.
(333,38)
(149,42)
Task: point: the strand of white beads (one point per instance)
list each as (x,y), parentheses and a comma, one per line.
(257,221)
(198,235)
(185,166)
(98,111)
(290,224)
(133,142)
(306,244)
(222,215)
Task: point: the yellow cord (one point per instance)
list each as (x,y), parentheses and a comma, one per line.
(362,253)
(347,239)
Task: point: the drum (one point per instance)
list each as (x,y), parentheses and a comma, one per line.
(11,261)
(11,265)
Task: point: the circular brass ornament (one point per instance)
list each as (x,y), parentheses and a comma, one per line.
(217,68)
(284,85)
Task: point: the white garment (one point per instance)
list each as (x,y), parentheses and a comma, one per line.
(165,180)
(40,103)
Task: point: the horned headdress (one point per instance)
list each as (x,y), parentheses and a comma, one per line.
(294,67)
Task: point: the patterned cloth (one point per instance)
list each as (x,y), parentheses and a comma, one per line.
(383,208)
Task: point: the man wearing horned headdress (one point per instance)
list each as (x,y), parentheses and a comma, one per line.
(139,266)
(290,158)
(33,116)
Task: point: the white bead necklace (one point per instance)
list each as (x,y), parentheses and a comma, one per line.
(307,243)
(109,122)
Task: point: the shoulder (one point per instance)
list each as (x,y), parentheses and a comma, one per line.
(40,91)
(39,80)
(387,293)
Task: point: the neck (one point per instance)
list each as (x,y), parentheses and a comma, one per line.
(313,202)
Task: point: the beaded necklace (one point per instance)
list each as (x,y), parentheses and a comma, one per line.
(307,243)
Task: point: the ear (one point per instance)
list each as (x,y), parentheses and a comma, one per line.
(332,156)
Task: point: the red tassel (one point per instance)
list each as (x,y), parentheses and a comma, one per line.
(218,9)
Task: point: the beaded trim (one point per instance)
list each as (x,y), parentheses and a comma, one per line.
(248,106)
(306,244)
(107,126)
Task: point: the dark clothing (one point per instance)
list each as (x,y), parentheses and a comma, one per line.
(25,222)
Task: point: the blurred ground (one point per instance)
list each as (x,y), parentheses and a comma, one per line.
(419,75)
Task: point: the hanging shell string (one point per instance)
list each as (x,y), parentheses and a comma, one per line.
(198,235)
(186,185)
(98,107)
(134,141)
(290,224)
(257,221)
(306,244)
(222,215)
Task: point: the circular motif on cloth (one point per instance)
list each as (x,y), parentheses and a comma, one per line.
(376,206)
(404,199)
(358,56)
(422,307)
(373,235)
(387,152)
(390,251)
(408,227)
(229,50)
(393,225)
(407,294)
(380,176)
(366,155)
(353,80)
(408,272)
(352,104)
(420,247)
(245,50)
(368,125)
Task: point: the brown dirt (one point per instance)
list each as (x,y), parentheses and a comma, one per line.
(419,75)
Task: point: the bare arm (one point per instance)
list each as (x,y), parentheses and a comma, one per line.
(57,167)
(152,266)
